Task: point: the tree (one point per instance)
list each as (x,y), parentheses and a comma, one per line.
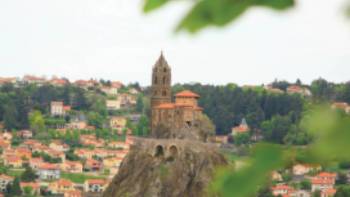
(10,114)
(305,184)
(36,121)
(342,179)
(95,119)
(241,138)
(317,193)
(276,129)
(265,192)
(343,191)
(139,104)
(28,175)
(14,189)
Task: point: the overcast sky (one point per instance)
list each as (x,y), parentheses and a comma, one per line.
(113,39)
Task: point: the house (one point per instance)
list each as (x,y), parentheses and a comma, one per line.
(34,163)
(113,162)
(323,181)
(221,139)
(72,193)
(72,167)
(295,89)
(4,181)
(282,190)
(302,169)
(127,100)
(13,161)
(5,144)
(92,165)
(95,185)
(328,192)
(276,176)
(273,90)
(6,136)
(33,185)
(113,104)
(5,80)
(117,122)
(86,83)
(133,91)
(23,152)
(58,82)
(58,145)
(341,106)
(118,145)
(25,134)
(302,193)
(61,186)
(242,128)
(34,79)
(109,90)
(57,108)
(48,171)
(117,84)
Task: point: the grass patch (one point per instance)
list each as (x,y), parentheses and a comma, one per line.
(15,172)
(79,177)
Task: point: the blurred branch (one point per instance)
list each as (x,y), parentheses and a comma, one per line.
(217,13)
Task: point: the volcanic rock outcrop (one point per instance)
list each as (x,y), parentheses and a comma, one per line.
(166,168)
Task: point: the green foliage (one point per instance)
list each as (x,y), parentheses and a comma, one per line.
(79,178)
(36,121)
(218,13)
(305,184)
(342,179)
(14,189)
(276,129)
(344,165)
(241,138)
(95,119)
(28,175)
(247,180)
(343,191)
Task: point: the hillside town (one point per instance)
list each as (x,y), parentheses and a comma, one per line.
(76,139)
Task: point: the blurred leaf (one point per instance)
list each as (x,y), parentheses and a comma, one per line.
(150,5)
(247,180)
(276,4)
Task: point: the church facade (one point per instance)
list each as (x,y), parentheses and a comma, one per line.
(176,115)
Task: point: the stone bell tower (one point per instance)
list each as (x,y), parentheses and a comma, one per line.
(161,86)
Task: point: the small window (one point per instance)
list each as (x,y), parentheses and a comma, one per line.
(165,70)
(164,93)
(155,80)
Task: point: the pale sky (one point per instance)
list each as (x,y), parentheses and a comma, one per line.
(113,39)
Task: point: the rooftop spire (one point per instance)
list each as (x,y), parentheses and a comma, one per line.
(161,62)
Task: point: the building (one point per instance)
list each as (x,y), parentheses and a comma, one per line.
(59,109)
(58,145)
(242,128)
(323,181)
(117,122)
(95,185)
(341,106)
(48,171)
(26,134)
(92,165)
(72,167)
(328,192)
(283,190)
(110,90)
(61,186)
(295,89)
(4,181)
(302,169)
(113,104)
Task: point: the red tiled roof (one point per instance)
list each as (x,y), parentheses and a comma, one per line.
(48,166)
(327,175)
(96,181)
(188,94)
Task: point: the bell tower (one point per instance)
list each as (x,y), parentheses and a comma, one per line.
(161,82)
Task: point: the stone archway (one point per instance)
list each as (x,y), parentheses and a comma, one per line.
(159,151)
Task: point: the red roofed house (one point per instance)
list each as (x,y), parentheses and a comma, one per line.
(72,193)
(95,185)
(48,171)
(328,192)
(302,169)
(282,190)
(72,167)
(295,89)
(341,106)
(92,165)
(323,181)
(61,186)
(13,161)
(59,109)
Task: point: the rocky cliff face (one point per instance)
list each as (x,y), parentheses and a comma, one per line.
(166,168)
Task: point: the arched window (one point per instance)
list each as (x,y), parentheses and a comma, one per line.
(173,151)
(164,93)
(165,70)
(159,151)
(155,80)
